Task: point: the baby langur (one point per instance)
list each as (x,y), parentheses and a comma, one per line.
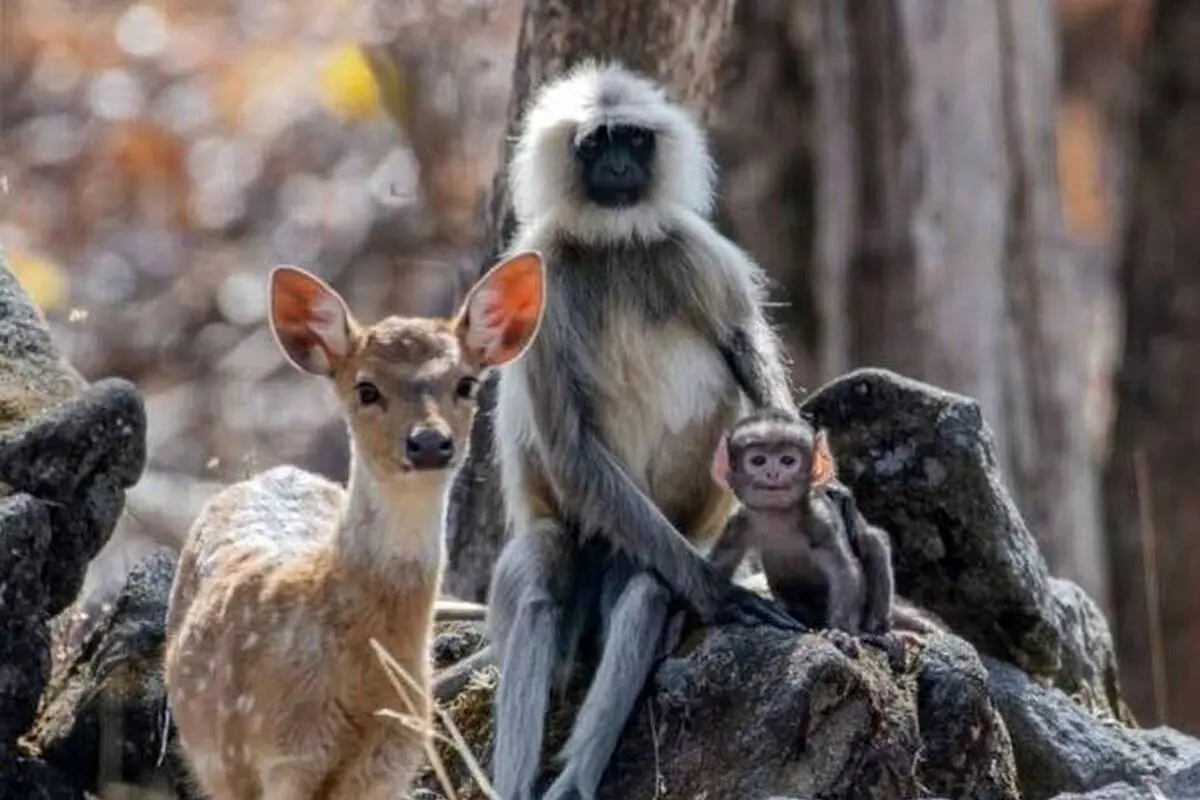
(829,567)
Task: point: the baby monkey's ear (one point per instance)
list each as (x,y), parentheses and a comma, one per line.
(824,468)
(720,463)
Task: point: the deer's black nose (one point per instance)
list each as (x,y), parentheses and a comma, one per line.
(429,448)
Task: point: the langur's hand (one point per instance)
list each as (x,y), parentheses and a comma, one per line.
(745,607)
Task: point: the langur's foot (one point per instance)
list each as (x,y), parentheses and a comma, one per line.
(566,787)
(846,642)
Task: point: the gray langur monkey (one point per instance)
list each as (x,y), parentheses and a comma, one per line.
(653,343)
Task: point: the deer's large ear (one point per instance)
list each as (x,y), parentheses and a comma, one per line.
(502,312)
(721,468)
(824,468)
(309,319)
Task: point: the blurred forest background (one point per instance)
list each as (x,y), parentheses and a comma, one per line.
(995,196)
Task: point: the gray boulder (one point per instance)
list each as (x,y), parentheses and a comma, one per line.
(1181,785)
(67,453)
(1061,747)
(24,648)
(755,713)
(922,464)
(103,717)
(33,375)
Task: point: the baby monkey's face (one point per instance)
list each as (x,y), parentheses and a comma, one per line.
(770,475)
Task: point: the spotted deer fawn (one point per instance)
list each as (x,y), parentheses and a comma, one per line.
(286,577)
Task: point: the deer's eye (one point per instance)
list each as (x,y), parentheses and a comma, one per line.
(368,393)
(465,388)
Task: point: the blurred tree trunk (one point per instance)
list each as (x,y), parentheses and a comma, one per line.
(680,42)
(945,258)
(767,199)
(893,165)
(1153,476)
(419,56)
(1101,44)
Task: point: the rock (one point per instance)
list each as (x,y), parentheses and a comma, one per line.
(1088,672)
(960,725)
(79,458)
(1060,747)
(921,462)
(1184,784)
(1116,791)
(100,432)
(457,640)
(1181,785)
(1120,791)
(756,712)
(33,376)
(30,779)
(67,453)
(102,719)
(24,648)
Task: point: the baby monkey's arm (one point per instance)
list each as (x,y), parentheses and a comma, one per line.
(730,549)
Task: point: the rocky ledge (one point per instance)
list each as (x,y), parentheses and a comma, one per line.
(1019,698)
(68,451)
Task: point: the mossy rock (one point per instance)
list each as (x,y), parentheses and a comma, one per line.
(33,375)
(756,712)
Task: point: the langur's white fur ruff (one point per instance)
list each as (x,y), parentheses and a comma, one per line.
(546,191)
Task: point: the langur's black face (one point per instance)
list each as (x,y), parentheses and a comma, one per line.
(615,164)
(770,474)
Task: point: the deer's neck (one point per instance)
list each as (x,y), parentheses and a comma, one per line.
(393,523)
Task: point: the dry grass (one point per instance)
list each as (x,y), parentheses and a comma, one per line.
(404,684)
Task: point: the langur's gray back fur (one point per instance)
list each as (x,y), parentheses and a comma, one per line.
(592,94)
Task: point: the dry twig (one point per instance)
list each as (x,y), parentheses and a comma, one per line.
(403,683)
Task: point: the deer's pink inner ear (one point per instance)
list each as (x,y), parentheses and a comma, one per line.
(309,320)
(503,311)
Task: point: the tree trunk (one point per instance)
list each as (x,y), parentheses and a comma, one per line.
(938,246)
(767,178)
(679,42)
(1101,43)
(1153,473)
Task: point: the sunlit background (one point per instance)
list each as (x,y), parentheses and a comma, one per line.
(158,158)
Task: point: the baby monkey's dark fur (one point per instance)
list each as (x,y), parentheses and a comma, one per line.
(826,564)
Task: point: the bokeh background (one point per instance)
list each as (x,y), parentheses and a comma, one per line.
(158,158)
